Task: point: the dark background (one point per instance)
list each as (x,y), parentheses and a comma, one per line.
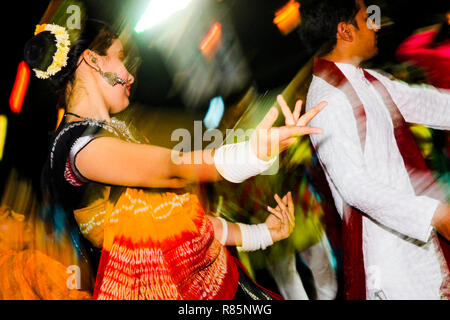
(273,60)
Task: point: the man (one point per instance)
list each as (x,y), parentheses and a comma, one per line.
(395,229)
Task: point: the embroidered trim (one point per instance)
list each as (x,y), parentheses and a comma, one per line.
(79,144)
(63,131)
(69,176)
(121,128)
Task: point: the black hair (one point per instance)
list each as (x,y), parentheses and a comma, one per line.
(320,19)
(39,50)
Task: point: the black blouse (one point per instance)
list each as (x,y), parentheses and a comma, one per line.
(63,183)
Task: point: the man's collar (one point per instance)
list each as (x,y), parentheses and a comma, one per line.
(349,69)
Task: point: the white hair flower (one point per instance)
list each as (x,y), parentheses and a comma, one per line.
(62,49)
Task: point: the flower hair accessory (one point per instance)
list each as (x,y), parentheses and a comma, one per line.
(62,50)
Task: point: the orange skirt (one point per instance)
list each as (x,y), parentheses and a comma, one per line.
(157,246)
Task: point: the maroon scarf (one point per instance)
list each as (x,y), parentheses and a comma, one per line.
(353,260)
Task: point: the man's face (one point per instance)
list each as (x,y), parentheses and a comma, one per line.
(365,37)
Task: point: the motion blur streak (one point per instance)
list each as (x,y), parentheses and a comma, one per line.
(59,117)
(33,258)
(211,43)
(215,113)
(159,10)
(288,17)
(3,130)
(20,87)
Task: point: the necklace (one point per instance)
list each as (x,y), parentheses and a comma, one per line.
(84,118)
(118,126)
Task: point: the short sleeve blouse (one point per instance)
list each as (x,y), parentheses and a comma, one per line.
(65,184)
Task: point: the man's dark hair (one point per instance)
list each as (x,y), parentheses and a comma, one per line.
(320,19)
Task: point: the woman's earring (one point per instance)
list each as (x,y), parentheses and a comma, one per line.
(110,77)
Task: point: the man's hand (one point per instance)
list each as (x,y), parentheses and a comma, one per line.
(441,220)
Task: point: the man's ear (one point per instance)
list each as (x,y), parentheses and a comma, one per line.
(345,31)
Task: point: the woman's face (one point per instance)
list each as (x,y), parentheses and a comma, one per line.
(116,97)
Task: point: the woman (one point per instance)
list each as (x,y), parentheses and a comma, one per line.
(156,242)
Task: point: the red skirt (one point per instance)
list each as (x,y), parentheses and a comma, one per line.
(162,246)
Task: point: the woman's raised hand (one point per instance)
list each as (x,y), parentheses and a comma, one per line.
(268,141)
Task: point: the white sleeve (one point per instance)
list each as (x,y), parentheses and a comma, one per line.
(285,274)
(339,151)
(421,104)
(318,257)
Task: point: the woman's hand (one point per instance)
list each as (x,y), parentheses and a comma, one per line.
(281,222)
(267,142)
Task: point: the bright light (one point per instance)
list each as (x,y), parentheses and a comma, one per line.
(20,87)
(3,126)
(212,41)
(215,113)
(60,116)
(288,17)
(158,11)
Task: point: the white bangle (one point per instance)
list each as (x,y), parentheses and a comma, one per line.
(254,237)
(237,162)
(244,237)
(266,236)
(224,231)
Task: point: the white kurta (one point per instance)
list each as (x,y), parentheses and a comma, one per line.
(399,245)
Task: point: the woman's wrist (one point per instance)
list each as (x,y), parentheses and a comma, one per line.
(254,237)
(237,162)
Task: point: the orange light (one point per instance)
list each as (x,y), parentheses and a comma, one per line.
(20,87)
(212,41)
(3,126)
(59,117)
(288,17)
